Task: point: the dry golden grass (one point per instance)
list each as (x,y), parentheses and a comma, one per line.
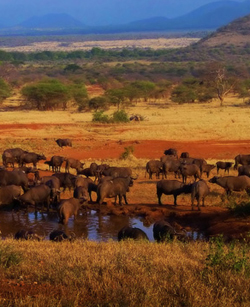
(86,273)
(159,43)
(163,121)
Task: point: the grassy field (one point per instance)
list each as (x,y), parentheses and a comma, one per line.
(163,121)
(86,273)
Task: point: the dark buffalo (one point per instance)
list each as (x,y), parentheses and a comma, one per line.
(54,184)
(118,172)
(132,233)
(167,158)
(64,142)
(73,163)
(100,169)
(56,163)
(81,192)
(59,236)
(66,180)
(14,178)
(171,151)
(154,167)
(91,171)
(40,194)
(49,163)
(231,183)
(188,170)
(27,235)
(87,172)
(164,231)
(11,156)
(113,188)
(224,165)
(69,207)
(244,170)
(199,191)
(87,184)
(171,166)
(26,169)
(171,187)
(207,169)
(83,182)
(184,155)
(241,159)
(9,193)
(199,162)
(31,157)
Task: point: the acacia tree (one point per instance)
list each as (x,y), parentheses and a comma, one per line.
(217,77)
(47,94)
(115,96)
(192,90)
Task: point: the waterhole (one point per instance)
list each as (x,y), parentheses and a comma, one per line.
(91,226)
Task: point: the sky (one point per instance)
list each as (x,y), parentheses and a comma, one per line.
(97,12)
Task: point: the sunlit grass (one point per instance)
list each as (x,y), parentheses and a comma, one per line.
(85,273)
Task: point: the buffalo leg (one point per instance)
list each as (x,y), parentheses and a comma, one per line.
(159,198)
(192,201)
(198,203)
(120,200)
(125,199)
(175,199)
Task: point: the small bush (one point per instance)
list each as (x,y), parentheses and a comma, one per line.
(100,117)
(127,152)
(228,258)
(120,117)
(117,117)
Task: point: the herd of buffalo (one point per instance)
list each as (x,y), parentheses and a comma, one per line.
(109,182)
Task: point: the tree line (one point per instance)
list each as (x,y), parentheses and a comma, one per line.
(52,87)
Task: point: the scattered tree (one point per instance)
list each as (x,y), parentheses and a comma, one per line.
(47,94)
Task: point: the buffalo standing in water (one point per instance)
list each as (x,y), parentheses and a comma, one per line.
(132,233)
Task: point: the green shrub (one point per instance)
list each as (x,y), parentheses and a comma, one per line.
(127,152)
(100,117)
(230,257)
(120,117)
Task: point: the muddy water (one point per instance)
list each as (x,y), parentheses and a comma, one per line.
(92,225)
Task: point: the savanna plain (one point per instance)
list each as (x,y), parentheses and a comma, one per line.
(86,273)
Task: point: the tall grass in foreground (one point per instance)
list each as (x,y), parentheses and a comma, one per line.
(85,273)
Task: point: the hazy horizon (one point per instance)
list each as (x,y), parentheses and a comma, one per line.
(97,12)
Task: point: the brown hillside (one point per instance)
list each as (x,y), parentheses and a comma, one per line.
(235,33)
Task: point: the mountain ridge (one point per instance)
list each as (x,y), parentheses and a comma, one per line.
(207,17)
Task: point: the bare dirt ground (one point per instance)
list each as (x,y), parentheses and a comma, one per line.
(205,131)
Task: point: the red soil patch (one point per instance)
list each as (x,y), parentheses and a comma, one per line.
(154,149)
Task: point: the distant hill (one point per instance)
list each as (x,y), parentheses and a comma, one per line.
(236,33)
(52,21)
(210,16)
(214,15)
(207,17)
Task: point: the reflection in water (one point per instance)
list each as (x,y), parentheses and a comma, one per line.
(92,226)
